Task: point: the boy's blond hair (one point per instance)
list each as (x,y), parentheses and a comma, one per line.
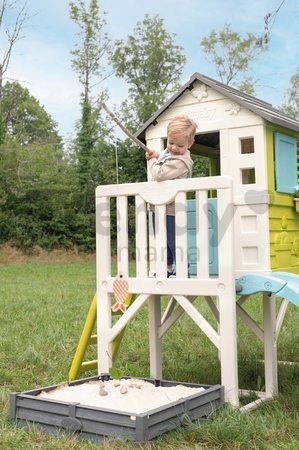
(183,125)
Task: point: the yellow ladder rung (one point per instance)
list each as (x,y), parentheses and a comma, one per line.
(89,365)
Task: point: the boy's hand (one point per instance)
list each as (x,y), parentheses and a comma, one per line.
(150,155)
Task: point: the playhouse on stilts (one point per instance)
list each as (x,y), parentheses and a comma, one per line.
(237,233)
(241,226)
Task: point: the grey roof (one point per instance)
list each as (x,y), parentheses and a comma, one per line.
(254,104)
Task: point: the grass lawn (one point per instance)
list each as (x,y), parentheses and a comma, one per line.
(43,307)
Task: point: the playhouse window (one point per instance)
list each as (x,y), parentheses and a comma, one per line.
(285,163)
(248,176)
(247,145)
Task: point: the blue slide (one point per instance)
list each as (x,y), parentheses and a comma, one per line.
(283,284)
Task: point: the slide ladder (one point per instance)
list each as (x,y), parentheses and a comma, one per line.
(88,339)
(282,284)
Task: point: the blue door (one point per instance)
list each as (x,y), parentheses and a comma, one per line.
(213,236)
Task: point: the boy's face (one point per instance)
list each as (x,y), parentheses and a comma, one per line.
(177,144)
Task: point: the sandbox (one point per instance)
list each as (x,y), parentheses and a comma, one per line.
(148,408)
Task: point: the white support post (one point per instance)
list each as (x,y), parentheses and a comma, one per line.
(227,298)
(154,340)
(103,297)
(270,349)
(103,332)
(228,348)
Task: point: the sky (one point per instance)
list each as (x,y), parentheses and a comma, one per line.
(41,60)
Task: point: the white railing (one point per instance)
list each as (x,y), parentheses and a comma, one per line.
(181,289)
(159,194)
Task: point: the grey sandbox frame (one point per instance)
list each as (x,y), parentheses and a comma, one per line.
(89,422)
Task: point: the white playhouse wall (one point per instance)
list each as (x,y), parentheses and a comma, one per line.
(213,112)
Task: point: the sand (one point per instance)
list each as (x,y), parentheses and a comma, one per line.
(141,396)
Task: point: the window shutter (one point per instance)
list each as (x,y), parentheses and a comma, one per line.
(286,160)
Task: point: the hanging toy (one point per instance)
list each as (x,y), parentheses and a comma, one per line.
(120,290)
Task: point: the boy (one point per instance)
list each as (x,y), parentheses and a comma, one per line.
(173,163)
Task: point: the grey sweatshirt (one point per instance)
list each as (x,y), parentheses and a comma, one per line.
(171,168)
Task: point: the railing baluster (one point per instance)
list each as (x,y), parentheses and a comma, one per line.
(181,236)
(161,243)
(103,237)
(122,236)
(202,234)
(141,237)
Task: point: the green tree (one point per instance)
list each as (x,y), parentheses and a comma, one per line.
(131,162)
(85,143)
(90,63)
(12,31)
(26,125)
(232,56)
(25,120)
(89,57)
(37,182)
(37,187)
(11,27)
(291,105)
(152,64)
